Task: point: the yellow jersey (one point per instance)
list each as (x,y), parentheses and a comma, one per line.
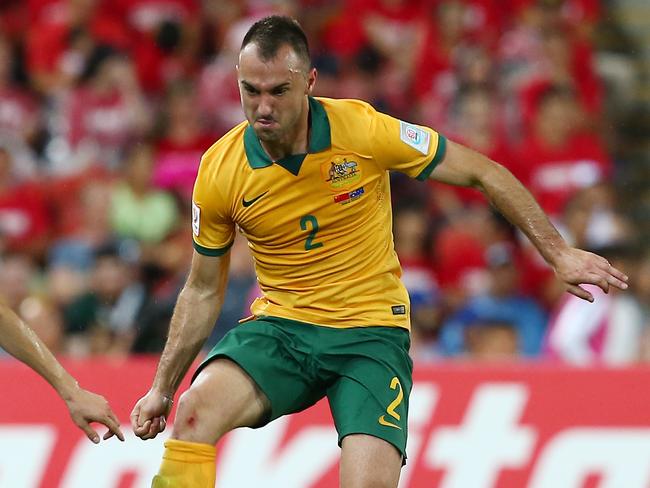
(319,225)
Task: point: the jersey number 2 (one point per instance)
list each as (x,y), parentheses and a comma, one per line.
(309,242)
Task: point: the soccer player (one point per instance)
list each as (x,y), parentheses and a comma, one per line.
(21,342)
(306,181)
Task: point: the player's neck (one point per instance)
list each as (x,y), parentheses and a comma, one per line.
(296,141)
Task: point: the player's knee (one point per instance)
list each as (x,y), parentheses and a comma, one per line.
(190,416)
(187,411)
(198,419)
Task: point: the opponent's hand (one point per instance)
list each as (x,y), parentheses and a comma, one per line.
(85,407)
(149,416)
(575,267)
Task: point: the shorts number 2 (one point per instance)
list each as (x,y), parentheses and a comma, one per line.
(390,410)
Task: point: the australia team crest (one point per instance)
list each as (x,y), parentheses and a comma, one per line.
(341,173)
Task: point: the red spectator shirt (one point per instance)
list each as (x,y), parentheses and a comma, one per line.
(457,255)
(178,163)
(101,118)
(156,68)
(24,216)
(345,35)
(553,175)
(18,112)
(147,15)
(48,41)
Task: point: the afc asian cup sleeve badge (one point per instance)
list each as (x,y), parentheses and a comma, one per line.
(414,136)
(196,219)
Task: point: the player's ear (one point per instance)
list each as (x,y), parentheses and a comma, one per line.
(311,80)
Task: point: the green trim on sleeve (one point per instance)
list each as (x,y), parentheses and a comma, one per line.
(206,251)
(437,158)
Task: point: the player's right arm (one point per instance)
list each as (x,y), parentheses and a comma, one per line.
(462,166)
(422,153)
(84,406)
(196,311)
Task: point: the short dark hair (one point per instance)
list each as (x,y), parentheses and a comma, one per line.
(271,33)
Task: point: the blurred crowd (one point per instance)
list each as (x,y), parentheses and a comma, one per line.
(107,105)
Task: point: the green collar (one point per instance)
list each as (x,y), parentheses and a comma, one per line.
(320,139)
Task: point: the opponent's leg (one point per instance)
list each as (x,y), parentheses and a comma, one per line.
(221,398)
(369,462)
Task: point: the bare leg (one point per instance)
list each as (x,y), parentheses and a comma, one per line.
(369,462)
(223,397)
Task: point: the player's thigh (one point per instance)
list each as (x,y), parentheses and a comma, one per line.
(371,394)
(222,397)
(369,462)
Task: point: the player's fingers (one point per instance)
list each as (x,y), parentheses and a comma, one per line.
(154,429)
(580,292)
(135,413)
(602,283)
(619,283)
(89,431)
(597,279)
(116,422)
(150,433)
(113,427)
(142,430)
(615,276)
(143,416)
(159,426)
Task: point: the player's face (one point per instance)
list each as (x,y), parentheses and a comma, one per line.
(273,92)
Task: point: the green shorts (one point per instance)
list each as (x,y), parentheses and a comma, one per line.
(365,372)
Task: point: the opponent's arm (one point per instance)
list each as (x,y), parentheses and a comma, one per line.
(462,166)
(195,314)
(22,342)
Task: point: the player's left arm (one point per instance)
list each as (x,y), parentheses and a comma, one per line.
(462,166)
(84,406)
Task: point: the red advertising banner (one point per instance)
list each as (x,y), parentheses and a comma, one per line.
(517,426)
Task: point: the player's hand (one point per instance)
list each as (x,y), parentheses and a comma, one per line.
(149,416)
(575,267)
(85,407)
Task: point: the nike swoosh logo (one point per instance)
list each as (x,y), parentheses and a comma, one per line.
(385,422)
(248,203)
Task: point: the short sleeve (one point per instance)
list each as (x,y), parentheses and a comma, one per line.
(213,229)
(408,148)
